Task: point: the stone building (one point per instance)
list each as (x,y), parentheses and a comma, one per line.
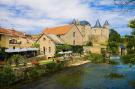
(10,38)
(48,44)
(97,34)
(70,34)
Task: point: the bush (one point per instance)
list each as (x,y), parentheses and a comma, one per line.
(35,73)
(7,76)
(128,59)
(17,59)
(53,66)
(96,58)
(112,62)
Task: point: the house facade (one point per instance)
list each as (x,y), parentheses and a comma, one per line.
(48,44)
(10,38)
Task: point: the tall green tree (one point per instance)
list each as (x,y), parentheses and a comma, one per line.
(132,25)
(114,41)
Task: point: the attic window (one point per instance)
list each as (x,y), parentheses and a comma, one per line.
(44,38)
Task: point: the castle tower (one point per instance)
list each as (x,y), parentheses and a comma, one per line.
(105,31)
(106,24)
(97,25)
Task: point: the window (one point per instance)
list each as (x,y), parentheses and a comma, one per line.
(13,47)
(73,34)
(44,49)
(44,38)
(49,49)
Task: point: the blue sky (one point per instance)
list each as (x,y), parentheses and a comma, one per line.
(32,16)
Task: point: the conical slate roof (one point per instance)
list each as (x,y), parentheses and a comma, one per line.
(106,23)
(84,23)
(97,25)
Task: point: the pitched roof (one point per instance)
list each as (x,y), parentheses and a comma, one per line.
(55,39)
(106,23)
(11,32)
(97,25)
(61,30)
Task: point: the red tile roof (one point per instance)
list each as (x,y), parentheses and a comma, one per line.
(61,30)
(11,32)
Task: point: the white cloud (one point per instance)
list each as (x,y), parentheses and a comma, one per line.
(46,13)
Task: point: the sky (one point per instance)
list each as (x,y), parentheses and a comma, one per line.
(33,16)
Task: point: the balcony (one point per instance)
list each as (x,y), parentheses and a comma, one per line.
(14,41)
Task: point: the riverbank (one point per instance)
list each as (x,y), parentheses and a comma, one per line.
(78,63)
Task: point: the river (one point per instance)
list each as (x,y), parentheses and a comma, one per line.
(87,76)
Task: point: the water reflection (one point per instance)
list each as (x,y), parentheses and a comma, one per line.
(88,76)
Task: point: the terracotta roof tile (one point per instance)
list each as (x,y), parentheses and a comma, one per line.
(58,30)
(11,32)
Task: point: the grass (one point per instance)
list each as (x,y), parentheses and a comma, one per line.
(115,76)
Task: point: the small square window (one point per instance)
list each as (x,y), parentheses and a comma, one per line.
(44,38)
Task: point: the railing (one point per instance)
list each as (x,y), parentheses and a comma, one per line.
(13,41)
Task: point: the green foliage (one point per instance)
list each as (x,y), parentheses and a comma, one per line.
(17,59)
(128,59)
(3,54)
(77,49)
(112,62)
(115,76)
(53,66)
(36,45)
(132,24)
(114,41)
(65,47)
(35,72)
(89,43)
(7,76)
(96,58)
(114,36)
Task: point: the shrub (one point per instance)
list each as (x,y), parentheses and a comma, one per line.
(7,76)
(17,59)
(128,59)
(113,62)
(51,67)
(96,58)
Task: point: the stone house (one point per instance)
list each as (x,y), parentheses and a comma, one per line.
(70,34)
(9,38)
(48,44)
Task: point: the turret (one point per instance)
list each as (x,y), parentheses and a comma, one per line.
(106,24)
(97,25)
(75,21)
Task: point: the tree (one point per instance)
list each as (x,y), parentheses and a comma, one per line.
(132,25)
(114,41)
(36,45)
